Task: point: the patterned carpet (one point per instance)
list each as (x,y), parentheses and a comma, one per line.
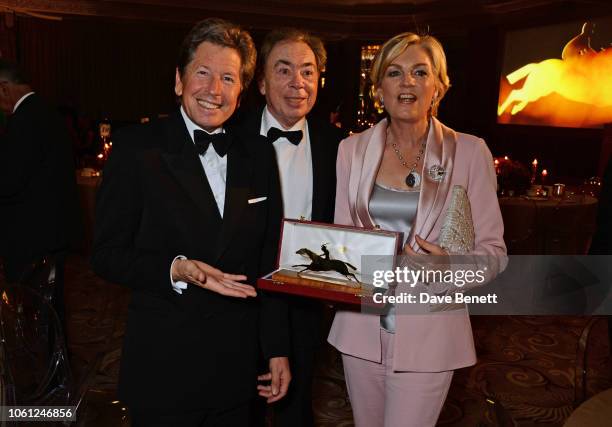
(527,364)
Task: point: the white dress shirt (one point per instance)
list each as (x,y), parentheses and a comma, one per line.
(294,166)
(214,165)
(215,168)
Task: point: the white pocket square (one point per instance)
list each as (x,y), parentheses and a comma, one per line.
(257,200)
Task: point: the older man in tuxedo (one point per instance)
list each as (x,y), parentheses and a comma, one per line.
(290,65)
(187,211)
(38,196)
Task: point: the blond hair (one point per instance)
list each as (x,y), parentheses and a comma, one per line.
(397,45)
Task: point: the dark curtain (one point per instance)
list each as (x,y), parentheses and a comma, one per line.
(341,89)
(121,70)
(7,36)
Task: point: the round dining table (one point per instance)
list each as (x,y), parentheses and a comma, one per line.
(532,225)
(549,226)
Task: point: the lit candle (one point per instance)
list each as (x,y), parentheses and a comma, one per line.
(496,163)
(100,156)
(544,175)
(506,158)
(534,170)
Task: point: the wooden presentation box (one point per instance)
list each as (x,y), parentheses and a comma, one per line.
(345,245)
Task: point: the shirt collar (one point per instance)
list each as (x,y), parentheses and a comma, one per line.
(268,121)
(18,103)
(191,126)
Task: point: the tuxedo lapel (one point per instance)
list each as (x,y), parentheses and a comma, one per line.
(252,121)
(183,162)
(319,180)
(239,173)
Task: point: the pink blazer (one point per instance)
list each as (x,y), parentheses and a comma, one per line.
(423,342)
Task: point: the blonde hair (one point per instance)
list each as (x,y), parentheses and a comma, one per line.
(397,45)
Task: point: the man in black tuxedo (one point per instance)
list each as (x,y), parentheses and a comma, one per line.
(290,65)
(187,210)
(602,239)
(38,197)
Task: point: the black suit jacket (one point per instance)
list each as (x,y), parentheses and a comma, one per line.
(38,198)
(602,240)
(199,349)
(324,140)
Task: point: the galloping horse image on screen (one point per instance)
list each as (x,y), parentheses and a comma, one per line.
(574,91)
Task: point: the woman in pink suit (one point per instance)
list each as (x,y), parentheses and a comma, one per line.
(398,175)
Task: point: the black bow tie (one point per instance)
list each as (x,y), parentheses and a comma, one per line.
(220,142)
(294,136)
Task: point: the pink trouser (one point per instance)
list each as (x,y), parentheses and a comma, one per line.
(381,397)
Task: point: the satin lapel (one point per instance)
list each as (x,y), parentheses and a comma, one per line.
(441,145)
(368,155)
(184,163)
(252,121)
(319,182)
(239,172)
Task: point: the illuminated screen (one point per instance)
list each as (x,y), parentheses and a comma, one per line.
(558,75)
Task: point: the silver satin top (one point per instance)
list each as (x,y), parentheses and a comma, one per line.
(393,210)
